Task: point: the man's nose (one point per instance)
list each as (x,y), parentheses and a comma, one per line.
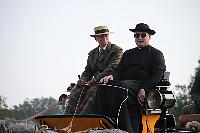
(103,38)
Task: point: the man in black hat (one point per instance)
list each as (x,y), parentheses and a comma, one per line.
(140,69)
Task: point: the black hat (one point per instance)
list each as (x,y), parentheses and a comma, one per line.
(141,27)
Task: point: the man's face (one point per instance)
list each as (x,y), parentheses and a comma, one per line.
(62,102)
(142,39)
(102,39)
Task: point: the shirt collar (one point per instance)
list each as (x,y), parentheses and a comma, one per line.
(104,48)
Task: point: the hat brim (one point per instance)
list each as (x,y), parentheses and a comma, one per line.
(151,32)
(105,33)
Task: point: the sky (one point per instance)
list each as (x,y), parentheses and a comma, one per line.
(44,43)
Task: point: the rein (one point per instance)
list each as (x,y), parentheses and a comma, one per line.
(68,128)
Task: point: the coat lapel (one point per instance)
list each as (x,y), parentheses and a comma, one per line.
(96,56)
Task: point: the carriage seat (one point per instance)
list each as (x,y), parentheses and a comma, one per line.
(164,83)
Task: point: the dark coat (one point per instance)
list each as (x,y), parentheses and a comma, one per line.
(99,66)
(196,85)
(195,90)
(146,64)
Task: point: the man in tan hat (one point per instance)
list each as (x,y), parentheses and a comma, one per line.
(100,62)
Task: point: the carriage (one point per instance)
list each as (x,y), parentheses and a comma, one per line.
(155,117)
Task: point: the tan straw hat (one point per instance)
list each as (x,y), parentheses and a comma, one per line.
(100,30)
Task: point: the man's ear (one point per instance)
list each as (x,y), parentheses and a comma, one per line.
(149,37)
(95,38)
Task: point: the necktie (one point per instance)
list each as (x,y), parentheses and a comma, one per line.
(101,52)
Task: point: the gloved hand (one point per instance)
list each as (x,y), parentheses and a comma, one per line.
(106,79)
(91,82)
(80,83)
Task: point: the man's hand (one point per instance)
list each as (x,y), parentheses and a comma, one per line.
(106,79)
(80,83)
(91,82)
(141,97)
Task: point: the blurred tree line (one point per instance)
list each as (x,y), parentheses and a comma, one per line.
(28,108)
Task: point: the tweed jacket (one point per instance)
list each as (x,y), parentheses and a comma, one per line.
(99,66)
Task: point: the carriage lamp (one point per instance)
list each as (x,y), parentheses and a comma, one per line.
(160,99)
